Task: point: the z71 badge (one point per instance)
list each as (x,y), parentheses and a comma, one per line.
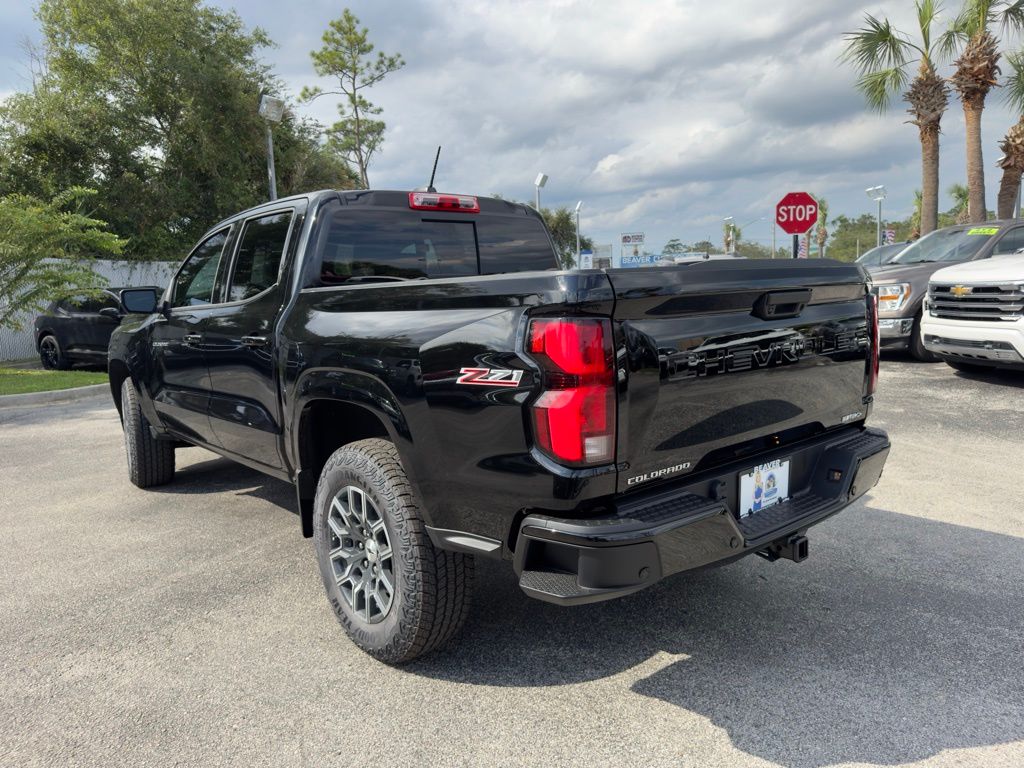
(489,377)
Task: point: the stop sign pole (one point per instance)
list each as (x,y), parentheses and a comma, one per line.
(795,214)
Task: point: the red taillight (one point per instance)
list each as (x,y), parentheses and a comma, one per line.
(432,201)
(574,417)
(873,329)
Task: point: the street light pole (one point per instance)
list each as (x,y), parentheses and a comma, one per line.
(879,227)
(540,181)
(877,194)
(733,229)
(272,110)
(271,175)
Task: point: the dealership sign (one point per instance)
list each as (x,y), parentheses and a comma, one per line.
(640,259)
(633,251)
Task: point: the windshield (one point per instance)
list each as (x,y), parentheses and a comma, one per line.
(947,245)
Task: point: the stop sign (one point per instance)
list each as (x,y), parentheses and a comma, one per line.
(796,213)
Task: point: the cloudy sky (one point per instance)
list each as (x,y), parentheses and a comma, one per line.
(663,117)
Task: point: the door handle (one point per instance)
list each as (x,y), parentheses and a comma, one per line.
(777,305)
(193,338)
(255,341)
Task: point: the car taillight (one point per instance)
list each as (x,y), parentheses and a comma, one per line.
(432,201)
(873,330)
(574,417)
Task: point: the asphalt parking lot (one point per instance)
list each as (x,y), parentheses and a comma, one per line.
(187,625)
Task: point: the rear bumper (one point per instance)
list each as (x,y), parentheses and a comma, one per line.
(658,534)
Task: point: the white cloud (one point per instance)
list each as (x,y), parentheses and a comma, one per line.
(662,116)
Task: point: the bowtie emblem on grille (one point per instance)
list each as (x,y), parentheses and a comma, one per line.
(960,290)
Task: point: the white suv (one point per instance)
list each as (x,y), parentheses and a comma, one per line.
(974,314)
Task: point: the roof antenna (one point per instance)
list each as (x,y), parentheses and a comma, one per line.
(430,186)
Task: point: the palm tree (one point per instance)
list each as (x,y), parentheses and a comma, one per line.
(977,72)
(961,196)
(822,227)
(1012,144)
(915,217)
(883,57)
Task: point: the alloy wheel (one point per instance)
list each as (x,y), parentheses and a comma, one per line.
(361,555)
(49,351)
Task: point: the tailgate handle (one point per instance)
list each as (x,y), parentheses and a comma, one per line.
(780,304)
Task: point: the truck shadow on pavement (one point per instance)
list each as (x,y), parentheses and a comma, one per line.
(995,377)
(899,638)
(216,474)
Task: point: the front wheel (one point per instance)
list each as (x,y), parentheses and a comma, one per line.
(917,348)
(51,355)
(397,596)
(150,461)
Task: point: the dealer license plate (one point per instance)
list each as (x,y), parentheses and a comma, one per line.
(764,486)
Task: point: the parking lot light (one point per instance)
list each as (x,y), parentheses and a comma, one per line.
(272,110)
(540,181)
(878,195)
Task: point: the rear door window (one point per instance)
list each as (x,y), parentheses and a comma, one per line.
(86,305)
(1012,242)
(260,250)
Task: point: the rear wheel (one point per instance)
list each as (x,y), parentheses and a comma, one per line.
(917,348)
(150,461)
(51,355)
(397,596)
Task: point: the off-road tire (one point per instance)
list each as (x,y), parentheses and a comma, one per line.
(53,359)
(150,461)
(433,587)
(917,348)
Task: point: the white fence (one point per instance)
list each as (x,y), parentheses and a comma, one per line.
(20,345)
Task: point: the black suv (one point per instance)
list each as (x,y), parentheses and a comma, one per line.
(77,329)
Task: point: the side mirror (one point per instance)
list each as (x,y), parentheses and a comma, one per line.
(142,301)
(111,312)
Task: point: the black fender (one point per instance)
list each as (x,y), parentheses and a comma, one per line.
(354,390)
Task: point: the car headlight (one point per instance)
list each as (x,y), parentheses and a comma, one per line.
(892,297)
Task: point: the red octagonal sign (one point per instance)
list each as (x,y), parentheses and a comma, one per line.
(796,213)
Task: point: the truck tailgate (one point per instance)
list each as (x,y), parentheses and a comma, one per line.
(722,360)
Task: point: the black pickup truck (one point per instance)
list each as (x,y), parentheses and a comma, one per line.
(436,389)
